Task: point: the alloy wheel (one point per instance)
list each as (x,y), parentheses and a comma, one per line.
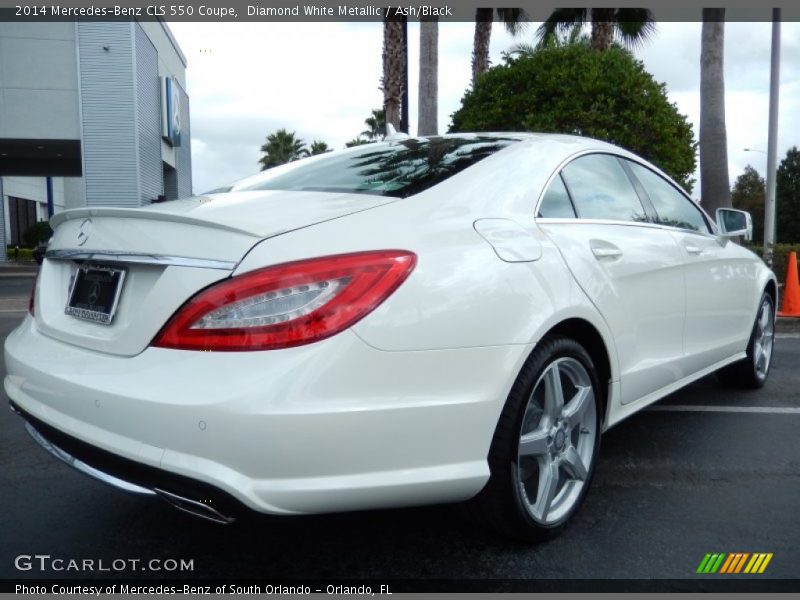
(557,441)
(764,339)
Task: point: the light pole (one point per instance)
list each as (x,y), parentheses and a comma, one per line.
(772,139)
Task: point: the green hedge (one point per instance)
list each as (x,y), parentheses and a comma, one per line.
(780,257)
(24,255)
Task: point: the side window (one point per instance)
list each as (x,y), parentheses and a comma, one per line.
(673,208)
(602,190)
(555,202)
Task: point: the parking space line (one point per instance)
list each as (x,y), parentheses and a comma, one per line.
(769,410)
(788,336)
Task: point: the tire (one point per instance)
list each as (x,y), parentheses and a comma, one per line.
(538,448)
(752,371)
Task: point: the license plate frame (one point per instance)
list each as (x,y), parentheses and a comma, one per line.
(81,304)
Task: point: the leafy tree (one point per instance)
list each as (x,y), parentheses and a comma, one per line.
(357,141)
(280,148)
(630,26)
(715,190)
(514,21)
(376,125)
(604,95)
(37,233)
(318,147)
(748,194)
(559,39)
(787,197)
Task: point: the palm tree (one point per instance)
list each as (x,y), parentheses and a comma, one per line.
(393,69)
(427,123)
(514,21)
(560,39)
(357,141)
(281,147)
(714,180)
(630,26)
(376,125)
(318,147)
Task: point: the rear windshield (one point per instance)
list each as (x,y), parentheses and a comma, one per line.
(398,169)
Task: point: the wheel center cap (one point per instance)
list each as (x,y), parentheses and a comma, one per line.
(558,440)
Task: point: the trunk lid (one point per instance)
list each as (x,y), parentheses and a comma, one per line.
(257,213)
(169,252)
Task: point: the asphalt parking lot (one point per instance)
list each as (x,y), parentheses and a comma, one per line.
(707,470)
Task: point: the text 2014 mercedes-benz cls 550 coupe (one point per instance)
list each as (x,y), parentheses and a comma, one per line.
(414,321)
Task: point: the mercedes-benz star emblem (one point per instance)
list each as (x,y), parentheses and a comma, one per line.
(83,232)
(94,294)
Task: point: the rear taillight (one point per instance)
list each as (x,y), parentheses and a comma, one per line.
(287,305)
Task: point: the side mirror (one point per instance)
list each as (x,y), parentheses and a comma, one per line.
(733,223)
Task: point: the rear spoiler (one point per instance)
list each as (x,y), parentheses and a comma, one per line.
(158,214)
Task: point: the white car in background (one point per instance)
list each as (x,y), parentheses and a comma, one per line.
(415,321)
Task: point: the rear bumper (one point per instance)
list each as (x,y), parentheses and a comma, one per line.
(188,495)
(331,426)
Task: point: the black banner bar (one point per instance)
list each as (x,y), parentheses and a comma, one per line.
(333,11)
(377,588)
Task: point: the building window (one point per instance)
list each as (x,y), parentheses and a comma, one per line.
(21,216)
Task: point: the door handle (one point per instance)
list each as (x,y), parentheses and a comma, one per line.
(605,250)
(693,249)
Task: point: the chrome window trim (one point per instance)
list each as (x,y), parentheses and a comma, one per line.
(557,172)
(709,221)
(132,258)
(669,181)
(584,154)
(649,225)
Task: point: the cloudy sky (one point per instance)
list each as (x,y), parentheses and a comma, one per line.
(321,80)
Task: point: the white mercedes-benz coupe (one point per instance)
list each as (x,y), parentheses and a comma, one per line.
(415,321)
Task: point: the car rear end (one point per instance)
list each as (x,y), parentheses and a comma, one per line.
(110,281)
(197,355)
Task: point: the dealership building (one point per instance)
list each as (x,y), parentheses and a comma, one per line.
(91,114)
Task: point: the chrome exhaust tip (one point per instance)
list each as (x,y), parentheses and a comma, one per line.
(194,507)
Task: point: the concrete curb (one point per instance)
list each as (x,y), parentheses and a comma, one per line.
(13,304)
(787,325)
(18,269)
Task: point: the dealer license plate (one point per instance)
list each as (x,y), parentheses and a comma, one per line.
(95,292)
